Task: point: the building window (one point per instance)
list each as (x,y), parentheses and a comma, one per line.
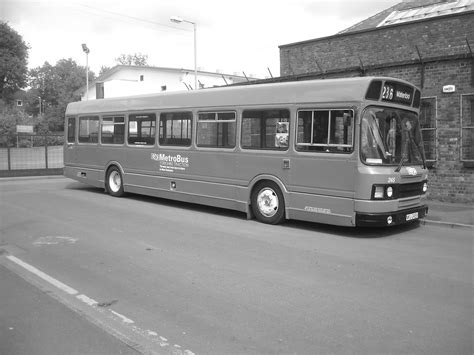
(142,77)
(141,129)
(99,91)
(175,128)
(467,129)
(89,129)
(163,88)
(19,102)
(216,129)
(325,130)
(428,113)
(265,129)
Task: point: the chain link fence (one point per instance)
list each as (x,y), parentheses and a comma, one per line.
(27,154)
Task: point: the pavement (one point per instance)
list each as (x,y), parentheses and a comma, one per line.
(452,215)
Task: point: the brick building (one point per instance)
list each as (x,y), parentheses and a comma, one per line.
(429,43)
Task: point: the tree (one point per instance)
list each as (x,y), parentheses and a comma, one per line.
(13,62)
(56,86)
(11,116)
(42,82)
(104,69)
(137,59)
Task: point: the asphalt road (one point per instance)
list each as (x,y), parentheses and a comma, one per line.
(32,322)
(168,277)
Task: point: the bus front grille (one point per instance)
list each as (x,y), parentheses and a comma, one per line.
(409,190)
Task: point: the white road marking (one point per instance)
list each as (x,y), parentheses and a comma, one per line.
(54,240)
(87,300)
(124,319)
(44,276)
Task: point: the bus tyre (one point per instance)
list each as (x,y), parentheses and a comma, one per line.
(268,204)
(114,182)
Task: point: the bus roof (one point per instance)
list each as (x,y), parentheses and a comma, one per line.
(310,91)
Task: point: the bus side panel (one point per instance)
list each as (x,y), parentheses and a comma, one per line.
(88,176)
(337,210)
(203,175)
(323,175)
(250,165)
(85,163)
(215,199)
(322,188)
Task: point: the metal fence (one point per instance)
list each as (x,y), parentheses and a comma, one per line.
(23,154)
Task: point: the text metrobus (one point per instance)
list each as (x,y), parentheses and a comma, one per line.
(344,151)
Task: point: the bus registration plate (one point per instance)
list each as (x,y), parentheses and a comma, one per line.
(412,216)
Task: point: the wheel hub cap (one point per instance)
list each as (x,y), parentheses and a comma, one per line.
(267,201)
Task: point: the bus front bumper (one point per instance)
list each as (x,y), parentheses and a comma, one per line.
(391,219)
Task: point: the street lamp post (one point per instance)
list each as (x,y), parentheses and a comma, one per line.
(86,51)
(176,19)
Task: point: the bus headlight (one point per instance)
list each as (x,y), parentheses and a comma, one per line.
(384,192)
(389,192)
(425,187)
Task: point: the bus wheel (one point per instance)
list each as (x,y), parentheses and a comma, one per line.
(268,204)
(115,182)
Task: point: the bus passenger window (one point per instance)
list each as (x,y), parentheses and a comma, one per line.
(320,127)
(216,129)
(89,129)
(176,128)
(113,130)
(265,129)
(341,127)
(141,129)
(325,131)
(71,129)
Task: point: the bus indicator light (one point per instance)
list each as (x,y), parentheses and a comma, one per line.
(379,193)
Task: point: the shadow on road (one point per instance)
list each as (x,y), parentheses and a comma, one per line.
(349,232)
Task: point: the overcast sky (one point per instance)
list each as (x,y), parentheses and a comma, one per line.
(232,35)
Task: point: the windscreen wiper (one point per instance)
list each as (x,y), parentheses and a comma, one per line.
(402,160)
(422,156)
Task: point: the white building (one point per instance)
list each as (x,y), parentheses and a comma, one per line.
(128,80)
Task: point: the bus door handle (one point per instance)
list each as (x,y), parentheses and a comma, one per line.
(286,163)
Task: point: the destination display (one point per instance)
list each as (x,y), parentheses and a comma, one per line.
(397,92)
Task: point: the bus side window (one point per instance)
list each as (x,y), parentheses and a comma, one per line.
(71,129)
(341,130)
(265,129)
(216,129)
(113,130)
(176,128)
(89,129)
(329,131)
(142,129)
